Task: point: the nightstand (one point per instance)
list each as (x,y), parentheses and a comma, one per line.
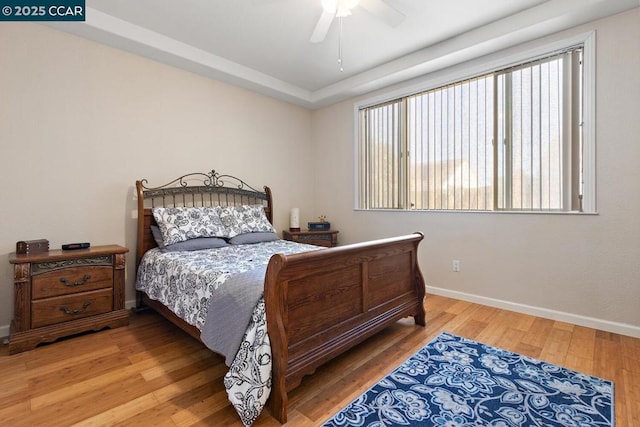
(328,238)
(59,293)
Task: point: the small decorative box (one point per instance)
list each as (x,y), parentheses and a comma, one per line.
(323,226)
(32,246)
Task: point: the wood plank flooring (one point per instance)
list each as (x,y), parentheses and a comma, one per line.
(152,374)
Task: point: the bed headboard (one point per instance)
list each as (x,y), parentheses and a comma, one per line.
(194,189)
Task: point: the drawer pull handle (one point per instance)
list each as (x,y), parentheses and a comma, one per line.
(80,283)
(65,310)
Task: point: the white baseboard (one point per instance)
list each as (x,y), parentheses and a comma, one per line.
(590,322)
(4,329)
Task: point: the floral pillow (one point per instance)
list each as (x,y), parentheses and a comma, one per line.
(184,223)
(230,221)
(254,219)
(244,219)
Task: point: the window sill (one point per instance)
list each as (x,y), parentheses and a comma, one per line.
(481,212)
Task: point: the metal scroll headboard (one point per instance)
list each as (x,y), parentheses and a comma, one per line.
(203,189)
(194,189)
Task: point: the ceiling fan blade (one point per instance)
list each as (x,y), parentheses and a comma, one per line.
(322,27)
(384,11)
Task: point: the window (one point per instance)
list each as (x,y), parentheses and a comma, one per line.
(508,140)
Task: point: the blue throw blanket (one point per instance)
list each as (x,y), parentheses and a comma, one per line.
(230,310)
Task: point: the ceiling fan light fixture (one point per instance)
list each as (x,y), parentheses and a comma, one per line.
(341,8)
(333,9)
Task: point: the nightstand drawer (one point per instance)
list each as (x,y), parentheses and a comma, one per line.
(328,238)
(316,239)
(54,310)
(71,280)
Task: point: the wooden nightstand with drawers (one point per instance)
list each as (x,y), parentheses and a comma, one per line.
(328,238)
(60,293)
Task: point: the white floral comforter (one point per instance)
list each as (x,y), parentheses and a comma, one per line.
(186,282)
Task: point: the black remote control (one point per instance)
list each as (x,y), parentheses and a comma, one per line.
(71,246)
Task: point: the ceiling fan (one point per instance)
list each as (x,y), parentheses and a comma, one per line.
(341,8)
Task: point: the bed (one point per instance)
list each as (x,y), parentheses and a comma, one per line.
(317,303)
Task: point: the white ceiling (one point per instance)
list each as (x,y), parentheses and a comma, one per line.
(264,45)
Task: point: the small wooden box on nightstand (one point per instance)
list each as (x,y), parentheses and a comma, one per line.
(328,238)
(59,293)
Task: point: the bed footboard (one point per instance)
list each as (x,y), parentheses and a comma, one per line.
(321,303)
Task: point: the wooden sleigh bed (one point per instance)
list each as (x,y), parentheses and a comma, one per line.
(318,304)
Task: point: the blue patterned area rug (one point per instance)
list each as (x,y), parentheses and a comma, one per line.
(454,381)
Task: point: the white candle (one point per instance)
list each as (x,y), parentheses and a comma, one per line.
(294,218)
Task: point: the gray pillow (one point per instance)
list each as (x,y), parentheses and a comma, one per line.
(157,236)
(188,245)
(247,238)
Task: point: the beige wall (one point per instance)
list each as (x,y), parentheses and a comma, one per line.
(81,122)
(580,268)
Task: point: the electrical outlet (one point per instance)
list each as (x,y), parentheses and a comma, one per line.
(456,265)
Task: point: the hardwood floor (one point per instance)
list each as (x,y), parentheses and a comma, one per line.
(152,374)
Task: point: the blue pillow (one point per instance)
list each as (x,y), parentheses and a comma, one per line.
(188,245)
(257,237)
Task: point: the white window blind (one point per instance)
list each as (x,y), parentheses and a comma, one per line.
(505,140)
(450,161)
(381,156)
